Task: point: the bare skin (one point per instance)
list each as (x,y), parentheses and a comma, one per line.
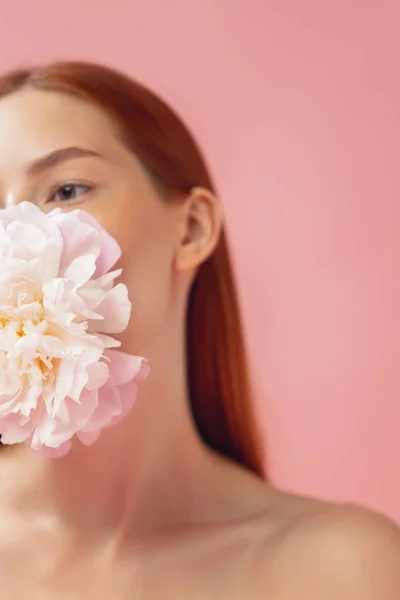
(148,512)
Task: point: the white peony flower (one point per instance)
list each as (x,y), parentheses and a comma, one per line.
(60,372)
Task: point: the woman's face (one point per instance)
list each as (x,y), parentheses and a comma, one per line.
(59,151)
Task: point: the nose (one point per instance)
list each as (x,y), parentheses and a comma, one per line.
(11,196)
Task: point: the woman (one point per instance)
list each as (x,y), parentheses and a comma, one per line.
(171,503)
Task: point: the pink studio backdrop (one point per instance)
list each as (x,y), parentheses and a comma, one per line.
(297,107)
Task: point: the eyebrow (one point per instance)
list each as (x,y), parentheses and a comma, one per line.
(59,156)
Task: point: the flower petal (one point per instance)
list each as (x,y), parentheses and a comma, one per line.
(115,310)
(77,226)
(125,367)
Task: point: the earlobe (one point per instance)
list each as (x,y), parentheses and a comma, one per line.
(201,229)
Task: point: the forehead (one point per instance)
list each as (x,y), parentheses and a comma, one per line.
(33,122)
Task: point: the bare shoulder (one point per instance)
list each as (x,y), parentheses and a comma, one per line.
(331,551)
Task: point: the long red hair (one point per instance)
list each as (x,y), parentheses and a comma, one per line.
(219,386)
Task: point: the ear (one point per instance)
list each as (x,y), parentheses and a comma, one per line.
(200,229)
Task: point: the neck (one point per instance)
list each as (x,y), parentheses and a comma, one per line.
(141,474)
(148,475)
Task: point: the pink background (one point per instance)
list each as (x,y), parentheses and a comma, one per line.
(297,107)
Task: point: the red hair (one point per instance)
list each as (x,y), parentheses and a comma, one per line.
(219,388)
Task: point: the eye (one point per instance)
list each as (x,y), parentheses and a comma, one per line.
(68,192)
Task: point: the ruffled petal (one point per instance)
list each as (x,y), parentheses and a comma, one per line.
(115,310)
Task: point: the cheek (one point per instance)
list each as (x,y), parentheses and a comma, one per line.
(147,272)
(144,229)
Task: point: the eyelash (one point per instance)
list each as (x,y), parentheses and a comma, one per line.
(87,188)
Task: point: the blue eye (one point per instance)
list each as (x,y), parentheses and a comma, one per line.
(69,191)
